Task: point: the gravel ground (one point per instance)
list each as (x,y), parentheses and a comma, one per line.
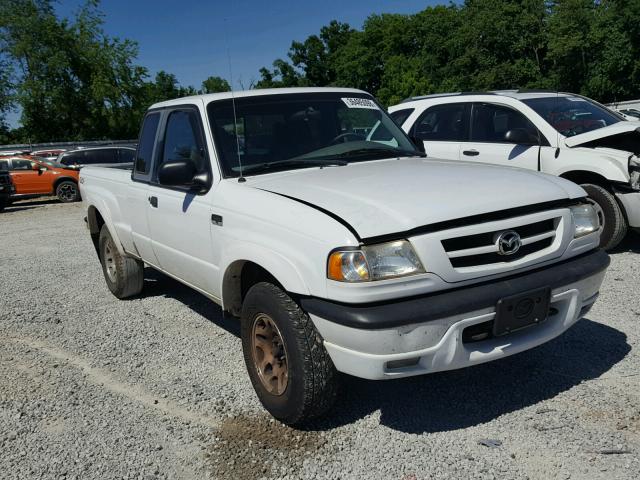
(155,387)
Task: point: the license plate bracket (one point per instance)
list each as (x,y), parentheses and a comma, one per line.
(521,311)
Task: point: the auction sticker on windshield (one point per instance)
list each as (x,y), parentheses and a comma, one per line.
(360,103)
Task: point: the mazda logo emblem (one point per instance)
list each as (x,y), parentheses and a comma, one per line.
(508,242)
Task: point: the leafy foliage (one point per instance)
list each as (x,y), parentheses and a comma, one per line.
(72,81)
(590,47)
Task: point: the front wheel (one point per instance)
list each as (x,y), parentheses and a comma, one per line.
(614,225)
(67,191)
(287,363)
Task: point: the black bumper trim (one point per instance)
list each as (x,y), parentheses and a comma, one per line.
(422,309)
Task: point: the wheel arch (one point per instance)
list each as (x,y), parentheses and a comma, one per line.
(584,176)
(96,218)
(63,179)
(95,221)
(240,275)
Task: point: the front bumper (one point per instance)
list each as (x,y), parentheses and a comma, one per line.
(631,204)
(425,335)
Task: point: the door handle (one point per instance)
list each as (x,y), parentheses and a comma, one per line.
(470,153)
(153,201)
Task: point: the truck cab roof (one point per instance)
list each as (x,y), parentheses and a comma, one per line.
(206,98)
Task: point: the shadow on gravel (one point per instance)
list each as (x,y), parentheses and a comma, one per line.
(22,204)
(448,400)
(17,209)
(157,284)
(631,243)
(462,398)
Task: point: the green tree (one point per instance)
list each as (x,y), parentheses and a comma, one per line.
(215,85)
(282,75)
(72,81)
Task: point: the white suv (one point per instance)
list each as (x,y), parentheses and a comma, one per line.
(557,133)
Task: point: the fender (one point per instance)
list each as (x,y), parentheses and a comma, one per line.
(588,160)
(273,262)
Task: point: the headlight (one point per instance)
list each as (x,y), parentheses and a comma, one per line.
(374,262)
(585,220)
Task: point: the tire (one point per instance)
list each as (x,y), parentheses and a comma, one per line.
(311,379)
(67,191)
(615,225)
(124,275)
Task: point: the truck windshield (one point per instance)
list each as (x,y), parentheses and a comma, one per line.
(287,131)
(572,115)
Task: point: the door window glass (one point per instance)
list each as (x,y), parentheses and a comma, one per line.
(18,164)
(147,140)
(182,140)
(94,157)
(490,123)
(75,158)
(126,155)
(442,123)
(400,116)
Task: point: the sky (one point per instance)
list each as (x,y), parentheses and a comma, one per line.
(189,38)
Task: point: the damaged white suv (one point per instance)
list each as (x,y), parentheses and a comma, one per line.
(558,133)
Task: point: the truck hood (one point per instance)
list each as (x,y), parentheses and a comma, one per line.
(391,196)
(620,128)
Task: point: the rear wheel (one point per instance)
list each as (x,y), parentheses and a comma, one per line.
(67,191)
(288,365)
(614,225)
(124,275)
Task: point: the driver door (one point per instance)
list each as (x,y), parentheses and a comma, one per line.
(441,128)
(27,180)
(487,143)
(179,219)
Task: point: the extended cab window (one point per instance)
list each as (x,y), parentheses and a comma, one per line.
(183,140)
(442,123)
(490,123)
(145,145)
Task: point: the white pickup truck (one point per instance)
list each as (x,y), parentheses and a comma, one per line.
(311,216)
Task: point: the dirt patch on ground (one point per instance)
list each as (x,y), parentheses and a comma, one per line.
(260,447)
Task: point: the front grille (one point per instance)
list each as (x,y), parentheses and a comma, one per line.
(482,249)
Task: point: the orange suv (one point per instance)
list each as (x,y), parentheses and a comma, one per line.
(33,177)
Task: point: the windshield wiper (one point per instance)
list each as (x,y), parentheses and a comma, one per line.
(392,152)
(292,163)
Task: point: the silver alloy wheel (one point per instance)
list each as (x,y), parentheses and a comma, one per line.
(596,206)
(110,260)
(269,354)
(68,192)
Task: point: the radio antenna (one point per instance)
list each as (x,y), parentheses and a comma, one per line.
(241,178)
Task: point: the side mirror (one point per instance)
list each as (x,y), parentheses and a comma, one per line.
(180,173)
(521,136)
(35,167)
